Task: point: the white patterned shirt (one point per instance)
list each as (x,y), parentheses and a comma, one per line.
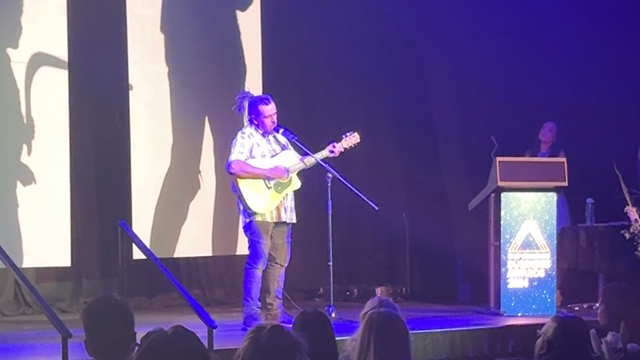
(252,143)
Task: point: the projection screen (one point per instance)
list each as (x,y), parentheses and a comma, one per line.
(35,225)
(187,61)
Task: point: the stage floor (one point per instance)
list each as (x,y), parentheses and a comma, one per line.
(437,331)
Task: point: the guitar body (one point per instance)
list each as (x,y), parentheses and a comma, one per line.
(262,196)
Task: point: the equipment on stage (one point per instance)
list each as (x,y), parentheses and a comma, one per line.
(262,196)
(349,140)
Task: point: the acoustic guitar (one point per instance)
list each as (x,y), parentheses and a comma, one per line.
(262,195)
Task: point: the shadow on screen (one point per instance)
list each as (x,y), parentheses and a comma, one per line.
(204,55)
(14,133)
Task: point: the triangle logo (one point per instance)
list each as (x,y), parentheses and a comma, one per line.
(529,228)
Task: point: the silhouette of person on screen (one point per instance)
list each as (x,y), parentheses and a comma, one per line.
(14,133)
(206,69)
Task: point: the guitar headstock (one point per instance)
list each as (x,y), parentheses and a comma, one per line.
(350,139)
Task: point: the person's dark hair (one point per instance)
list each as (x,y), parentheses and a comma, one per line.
(249,103)
(555,149)
(187,344)
(315,327)
(109,328)
(174,344)
(564,336)
(146,338)
(383,335)
(152,345)
(375,303)
(620,302)
(271,341)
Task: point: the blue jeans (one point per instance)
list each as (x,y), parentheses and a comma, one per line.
(269,253)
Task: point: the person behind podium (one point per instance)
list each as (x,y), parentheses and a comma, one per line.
(546,145)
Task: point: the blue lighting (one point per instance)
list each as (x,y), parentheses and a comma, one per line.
(528,253)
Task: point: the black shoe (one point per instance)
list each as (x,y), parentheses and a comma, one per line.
(250,320)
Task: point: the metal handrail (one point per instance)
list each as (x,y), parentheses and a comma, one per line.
(53,318)
(202,314)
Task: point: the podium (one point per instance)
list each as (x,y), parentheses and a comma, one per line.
(522,194)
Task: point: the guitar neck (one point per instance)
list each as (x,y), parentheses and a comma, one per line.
(307,162)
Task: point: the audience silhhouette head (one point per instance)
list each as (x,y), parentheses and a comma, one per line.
(564,337)
(315,328)
(269,342)
(176,343)
(383,335)
(109,328)
(153,345)
(375,303)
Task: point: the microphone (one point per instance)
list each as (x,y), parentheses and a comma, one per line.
(495,147)
(286,133)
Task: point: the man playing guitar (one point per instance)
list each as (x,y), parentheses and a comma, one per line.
(268,233)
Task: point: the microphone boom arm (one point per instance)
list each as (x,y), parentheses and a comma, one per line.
(291,137)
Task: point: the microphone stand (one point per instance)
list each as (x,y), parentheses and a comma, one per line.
(331,173)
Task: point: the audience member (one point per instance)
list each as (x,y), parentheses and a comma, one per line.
(109,328)
(564,337)
(153,345)
(146,338)
(315,327)
(615,345)
(383,335)
(177,343)
(375,303)
(271,342)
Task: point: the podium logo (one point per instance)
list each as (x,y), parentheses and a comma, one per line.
(528,257)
